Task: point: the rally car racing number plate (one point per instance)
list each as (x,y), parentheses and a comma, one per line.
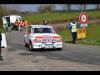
(48,46)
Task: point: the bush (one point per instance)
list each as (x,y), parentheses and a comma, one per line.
(1,14)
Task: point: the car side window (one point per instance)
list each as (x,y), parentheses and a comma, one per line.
(32,30)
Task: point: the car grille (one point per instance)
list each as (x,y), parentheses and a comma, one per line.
(47,40)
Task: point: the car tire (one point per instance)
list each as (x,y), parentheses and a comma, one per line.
(30,46)
(25,44)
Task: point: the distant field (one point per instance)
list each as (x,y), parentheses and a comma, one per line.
(58,16)
(93,35)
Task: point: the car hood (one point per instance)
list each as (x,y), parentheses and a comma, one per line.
(45,35)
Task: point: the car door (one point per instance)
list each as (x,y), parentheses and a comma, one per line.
(27,34)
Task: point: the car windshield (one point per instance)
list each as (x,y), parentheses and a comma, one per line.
(43,30)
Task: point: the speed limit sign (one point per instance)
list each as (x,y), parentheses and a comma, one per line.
(83,18)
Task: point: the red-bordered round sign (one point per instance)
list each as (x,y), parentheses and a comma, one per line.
(83,18)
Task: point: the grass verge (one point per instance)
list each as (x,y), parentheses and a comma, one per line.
(92,35)
(56,17)
(2,30)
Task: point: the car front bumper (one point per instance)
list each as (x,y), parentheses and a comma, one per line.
(46,46)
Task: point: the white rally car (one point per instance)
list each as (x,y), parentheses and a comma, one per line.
(42,37)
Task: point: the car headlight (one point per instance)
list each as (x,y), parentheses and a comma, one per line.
(37,40)
(59,40)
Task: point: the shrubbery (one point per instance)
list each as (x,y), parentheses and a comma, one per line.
(2,13)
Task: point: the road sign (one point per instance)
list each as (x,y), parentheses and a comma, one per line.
(81,33)
(83,18)
(83,25)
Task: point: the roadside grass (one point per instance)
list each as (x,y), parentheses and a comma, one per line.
(92,35)
(66,35)
(93,32)
(37,18)
(2,30)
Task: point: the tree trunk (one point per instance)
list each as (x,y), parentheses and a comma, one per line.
(97,7)
(84,7)
(69,8)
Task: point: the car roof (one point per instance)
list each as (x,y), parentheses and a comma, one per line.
(39,26)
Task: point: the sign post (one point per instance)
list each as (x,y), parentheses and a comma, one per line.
(83,18)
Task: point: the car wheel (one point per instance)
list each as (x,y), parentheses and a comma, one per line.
(30,46)
(25,44)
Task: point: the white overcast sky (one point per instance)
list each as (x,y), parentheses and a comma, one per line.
(33,7)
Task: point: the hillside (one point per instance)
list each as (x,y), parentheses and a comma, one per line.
(57,17)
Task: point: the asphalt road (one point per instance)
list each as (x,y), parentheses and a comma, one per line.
(74,57)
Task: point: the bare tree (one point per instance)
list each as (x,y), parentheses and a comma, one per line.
(2,13)
(82,7)
(46,8)
(79,7)
(97,7)
(53,7)
(67,7)
(10,7)
(5,9)
(64,7)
